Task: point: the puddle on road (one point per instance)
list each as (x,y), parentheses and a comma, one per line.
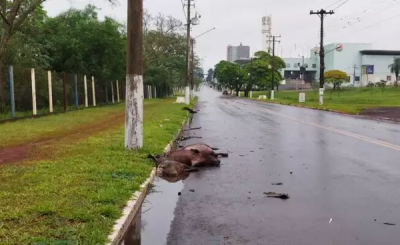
(156,216)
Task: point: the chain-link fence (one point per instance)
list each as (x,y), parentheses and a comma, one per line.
(27,92)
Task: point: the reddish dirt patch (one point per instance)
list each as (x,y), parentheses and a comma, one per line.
(387,113)
(14,154)
(45,147)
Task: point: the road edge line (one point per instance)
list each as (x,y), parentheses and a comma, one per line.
(356,115)
(131,208)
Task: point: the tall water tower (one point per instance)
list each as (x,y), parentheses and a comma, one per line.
(266,31)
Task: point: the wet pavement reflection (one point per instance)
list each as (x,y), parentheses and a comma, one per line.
(343,187)
(133,236)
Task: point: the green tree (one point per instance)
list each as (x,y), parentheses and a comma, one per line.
(230,75)
(13,15)
(210,75)
(263,67)
(395,67)
(336,77)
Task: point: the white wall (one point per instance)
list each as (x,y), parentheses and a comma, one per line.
(381,68)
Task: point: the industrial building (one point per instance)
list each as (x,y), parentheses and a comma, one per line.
(237,52)
(361,63)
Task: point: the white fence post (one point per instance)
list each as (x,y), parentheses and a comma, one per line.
(50,91)
(34,109)
(155,92)
(112,92)
(86,95)
(93,92)
(117,92)
(150,92)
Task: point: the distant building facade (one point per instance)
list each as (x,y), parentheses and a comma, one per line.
(361,63)
(237,52)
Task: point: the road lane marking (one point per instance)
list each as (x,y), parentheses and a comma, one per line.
(357,136)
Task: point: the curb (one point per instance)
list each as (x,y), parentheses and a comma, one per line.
(304,106)
(389,120)
(131,209)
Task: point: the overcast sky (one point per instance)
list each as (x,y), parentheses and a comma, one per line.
(239,21)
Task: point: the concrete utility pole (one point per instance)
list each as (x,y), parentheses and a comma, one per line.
(134,76)
(188,44)
(192,63)
(272,65)
(321,13)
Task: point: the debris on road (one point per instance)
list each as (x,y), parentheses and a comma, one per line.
(179,193)
(191,190)
(188,129)
(277,183)
(330,220)
(189,137)
(389,223)
(277,195)
(189,110)
(291,172)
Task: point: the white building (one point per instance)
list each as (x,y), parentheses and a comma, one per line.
(361,63)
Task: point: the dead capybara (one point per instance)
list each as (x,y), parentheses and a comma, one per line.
(193,158)
(205,149)
(171,168)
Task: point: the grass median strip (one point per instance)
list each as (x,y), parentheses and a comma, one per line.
(27,130)
(76,196)
(348,100)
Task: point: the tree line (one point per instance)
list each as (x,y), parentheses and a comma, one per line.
(78,42)
(257,73)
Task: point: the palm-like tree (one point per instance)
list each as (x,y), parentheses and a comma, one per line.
(395,67)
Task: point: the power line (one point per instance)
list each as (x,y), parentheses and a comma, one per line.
(357,18)
(355,15)
(333,4)
(341,5)
(377,23)
(351,24)
(183,8)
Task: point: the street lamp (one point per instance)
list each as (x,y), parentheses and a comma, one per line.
(192,44)
(205,32)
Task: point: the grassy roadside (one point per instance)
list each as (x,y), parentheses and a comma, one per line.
(13,133)
(351,100)
(75,197)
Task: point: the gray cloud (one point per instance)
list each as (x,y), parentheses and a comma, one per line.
(240,21)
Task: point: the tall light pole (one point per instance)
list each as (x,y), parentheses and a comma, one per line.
(134,76)
(192,42)
(205,32)
(189,22)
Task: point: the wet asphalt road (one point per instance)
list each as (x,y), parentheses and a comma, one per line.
(343,168)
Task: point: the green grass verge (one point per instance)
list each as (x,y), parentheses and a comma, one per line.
(76,197)
(349,100)
(12,133)
(41,111)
